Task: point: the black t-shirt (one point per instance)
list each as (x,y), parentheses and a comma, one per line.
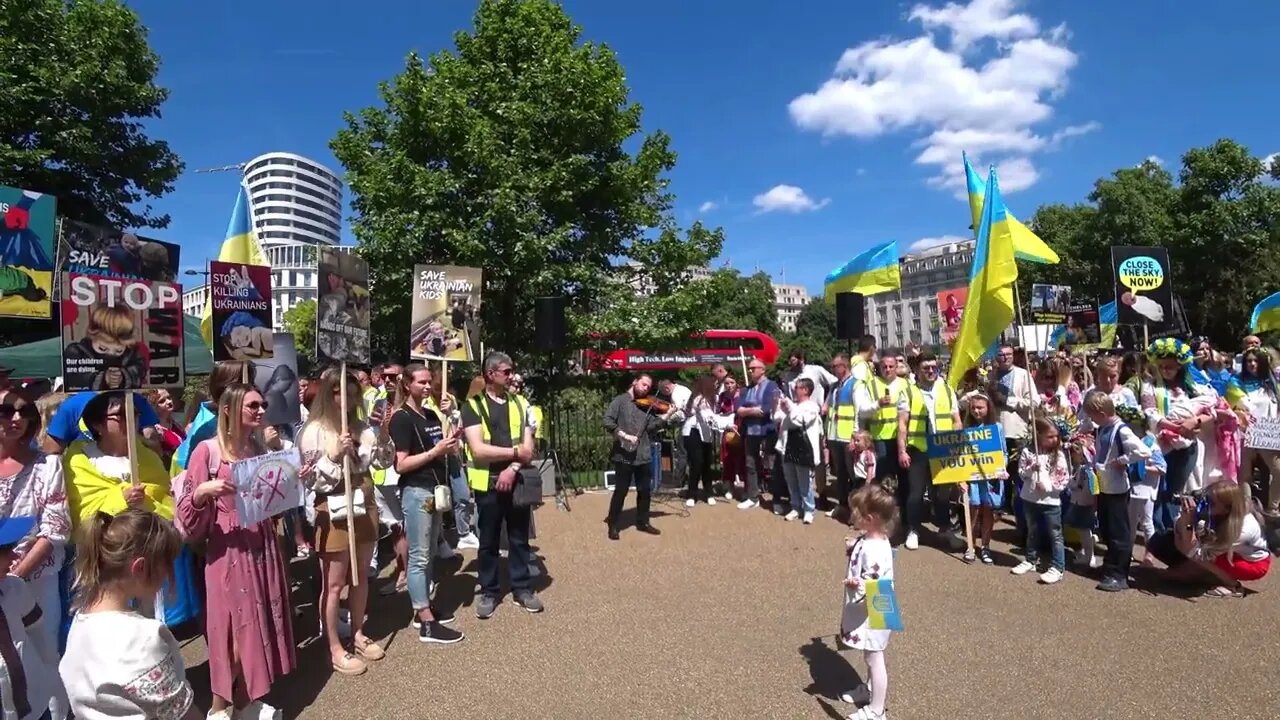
(415,434)
(499,425)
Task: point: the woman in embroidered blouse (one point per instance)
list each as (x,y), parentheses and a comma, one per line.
(1168,399)
(31,485)
(368,448)
(1257,398)
(248,618)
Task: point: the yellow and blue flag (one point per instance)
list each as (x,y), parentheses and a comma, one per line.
(1026,244)
(989,309)
(240,246)
(874,271)
(883,612)
(1266,314)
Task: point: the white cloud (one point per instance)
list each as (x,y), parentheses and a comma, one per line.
(1269,163)
(787,198)
(1154,159)
(991,108)
(707,207)
(861,172)
(925,243)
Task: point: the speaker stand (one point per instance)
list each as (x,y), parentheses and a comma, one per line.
(553,436)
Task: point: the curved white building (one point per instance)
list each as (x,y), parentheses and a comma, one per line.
(297,205)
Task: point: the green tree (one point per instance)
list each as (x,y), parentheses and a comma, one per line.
(300,321)
(816,332)
(520,152)
(1219,221)
(79,80)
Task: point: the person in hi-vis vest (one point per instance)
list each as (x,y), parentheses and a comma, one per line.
(841,412)
(877,401)
(927,406)
(499,442)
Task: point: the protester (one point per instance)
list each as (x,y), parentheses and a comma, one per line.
(28,672)
(701,428)
(248,616)
(984,495)
(1224,550)
(1045,473)
(451,415)
(1169,399)
(169,431)
(755,406)
(1116,448)
(873,514)
(1257,398)
(799,442)
(927,406)
(1145,477)
(1014,393)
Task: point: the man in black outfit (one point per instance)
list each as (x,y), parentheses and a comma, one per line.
(632,428)
(499,441)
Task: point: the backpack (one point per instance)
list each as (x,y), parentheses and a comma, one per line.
(179,482)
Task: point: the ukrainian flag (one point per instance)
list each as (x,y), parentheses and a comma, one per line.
(1106,322)
(883,612)
(874,271)
(240,246)
(990,307)
(1266,314)
(1026,244)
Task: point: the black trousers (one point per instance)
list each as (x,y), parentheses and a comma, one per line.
(911,495)
(1113,520)
(841,471)
(699,454)
(624,476)
(493,509)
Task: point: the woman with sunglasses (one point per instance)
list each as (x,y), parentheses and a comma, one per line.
(98,471)
(32,486)
(363,448)
(248,616)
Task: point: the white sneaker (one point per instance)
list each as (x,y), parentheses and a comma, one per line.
(711,500)
(831,512)
(852,696)
(219,715)
(688,503)
(469,542)
(1095,562)
(258,710)
(808,518)
(748,504)
(866,713)
(791,516)
(1022,568)
(445,552)
(728,496)
(1051,576)
(913,541)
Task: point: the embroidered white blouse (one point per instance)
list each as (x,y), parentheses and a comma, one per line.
(123,665)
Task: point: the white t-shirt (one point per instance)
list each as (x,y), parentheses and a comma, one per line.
(1252,544)
(25,692)
(123,665)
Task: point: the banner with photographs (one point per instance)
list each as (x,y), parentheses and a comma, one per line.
(1050,304)
(1081,327)
(446,308)
(26,252)
(342,310)
(95,250)
(277,379)
(120,334)
(241,311)
(951,312)
(1144,285)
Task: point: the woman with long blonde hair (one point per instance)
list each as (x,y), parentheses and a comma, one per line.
(1223,547)
(363,448)
(248,617)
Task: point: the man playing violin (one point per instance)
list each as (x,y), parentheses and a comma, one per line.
(632,418)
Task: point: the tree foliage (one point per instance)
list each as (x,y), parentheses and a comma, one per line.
(300,321)
(510,152)
(78,80)
(1220,221)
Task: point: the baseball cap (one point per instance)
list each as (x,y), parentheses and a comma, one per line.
(14,529)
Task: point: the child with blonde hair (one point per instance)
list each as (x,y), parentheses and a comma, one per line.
(863,450)
(873,513)
(984,495)
(1045,473)
(1115,448)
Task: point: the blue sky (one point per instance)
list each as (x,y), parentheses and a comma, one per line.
(803,167)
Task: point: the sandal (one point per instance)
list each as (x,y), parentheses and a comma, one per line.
(368,649)
(349,665)
(1223,591)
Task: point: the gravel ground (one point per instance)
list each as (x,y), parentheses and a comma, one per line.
(686,625)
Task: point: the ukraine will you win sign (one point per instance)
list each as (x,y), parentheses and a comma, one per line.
(968,455)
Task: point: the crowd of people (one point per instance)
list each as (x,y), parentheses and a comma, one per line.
(110,541)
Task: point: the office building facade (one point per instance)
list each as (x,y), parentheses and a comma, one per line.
(910,314)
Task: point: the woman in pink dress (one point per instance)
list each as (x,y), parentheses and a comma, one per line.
(249,627)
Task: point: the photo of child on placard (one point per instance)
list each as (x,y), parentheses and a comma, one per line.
(445,315)
(96,250)
(342,310)
(120,334)
(241,311)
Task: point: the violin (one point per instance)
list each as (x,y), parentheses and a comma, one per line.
(649,403)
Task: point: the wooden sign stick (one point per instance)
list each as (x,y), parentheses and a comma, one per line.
(131,433)
(346,483)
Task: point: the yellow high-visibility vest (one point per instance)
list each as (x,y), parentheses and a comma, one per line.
(944,403)
(539,429)
(518,409)
(884,423)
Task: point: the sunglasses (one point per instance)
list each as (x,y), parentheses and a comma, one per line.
(8,410)
(256,406)
(505,371)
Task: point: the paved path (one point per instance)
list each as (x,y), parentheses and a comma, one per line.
(731,614)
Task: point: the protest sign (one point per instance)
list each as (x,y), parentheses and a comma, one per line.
(241,300)
(1263,434)
(971,454)
(1050,303)
(1081,327)
(120,334)
(342,310)
(267,485)
(446,309)
(26,252)
(1144,285)
(277,380)
(951,311)
(94,250)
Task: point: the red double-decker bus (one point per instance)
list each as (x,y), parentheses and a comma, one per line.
(706,349)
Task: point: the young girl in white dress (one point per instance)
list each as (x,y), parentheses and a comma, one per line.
(873,515)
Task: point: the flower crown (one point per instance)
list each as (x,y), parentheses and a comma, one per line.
(1171,348)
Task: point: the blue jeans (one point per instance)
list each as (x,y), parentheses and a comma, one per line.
(495,509)
(1181,463)
(1046,519)
(799,486)
(461,503)
(422,529)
